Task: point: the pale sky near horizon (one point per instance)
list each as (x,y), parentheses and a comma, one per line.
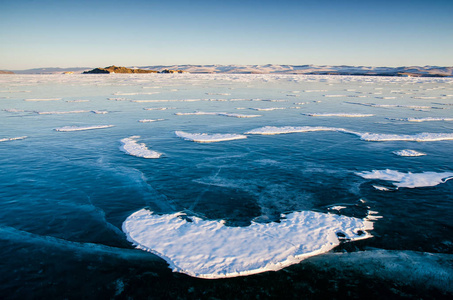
(63,33)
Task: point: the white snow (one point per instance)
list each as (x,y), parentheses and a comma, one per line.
(210,249)
(80,128)
(408,152)
(209,138)
(131,147)
(409,180)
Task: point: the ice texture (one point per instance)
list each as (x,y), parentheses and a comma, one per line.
(408,152)
(131,147)
(61,112)
(80,128)
(209,138)
(210,249)
(409,180)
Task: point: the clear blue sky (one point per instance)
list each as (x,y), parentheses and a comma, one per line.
(72,33)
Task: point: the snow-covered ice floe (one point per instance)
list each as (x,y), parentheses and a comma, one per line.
(13,139)
(366,136)
(131,147)
(344,115)
(409,180)
(420,137)
(44,99)
(210,249)
(272,130)
(204,113)
(408,152)
(80,128)
(427,119)
(150,120)
(61,112)
(209,138)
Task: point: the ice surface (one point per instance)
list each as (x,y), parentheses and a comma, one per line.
(409,180)
(80,128)
(345,115)
(131,147)
(209,138)
(408,152)
(210,249)
(13,139)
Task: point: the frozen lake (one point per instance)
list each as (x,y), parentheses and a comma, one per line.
(328,181)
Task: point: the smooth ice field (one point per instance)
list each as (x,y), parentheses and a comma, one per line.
(225,175)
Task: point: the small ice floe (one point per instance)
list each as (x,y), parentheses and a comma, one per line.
(409,180)
(268,108)
(314,91)
(80,128)
(117,99)
(211,249)
(337,207)
(130,146)
(271,130)
(131,94)
(204,113)
(239,115)
(408,152)
(100,112)
(344,115)
(427,119)
(61,112)
(209,138)
(420,137)
(382,188)
(77,101)
(197,113)
(159,108)
(14,110)
(160,101)
(150,120)
(44,99)
(219,94)
(13,139)
(334,96)
(385,98)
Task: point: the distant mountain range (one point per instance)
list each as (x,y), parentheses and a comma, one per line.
(426,71)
